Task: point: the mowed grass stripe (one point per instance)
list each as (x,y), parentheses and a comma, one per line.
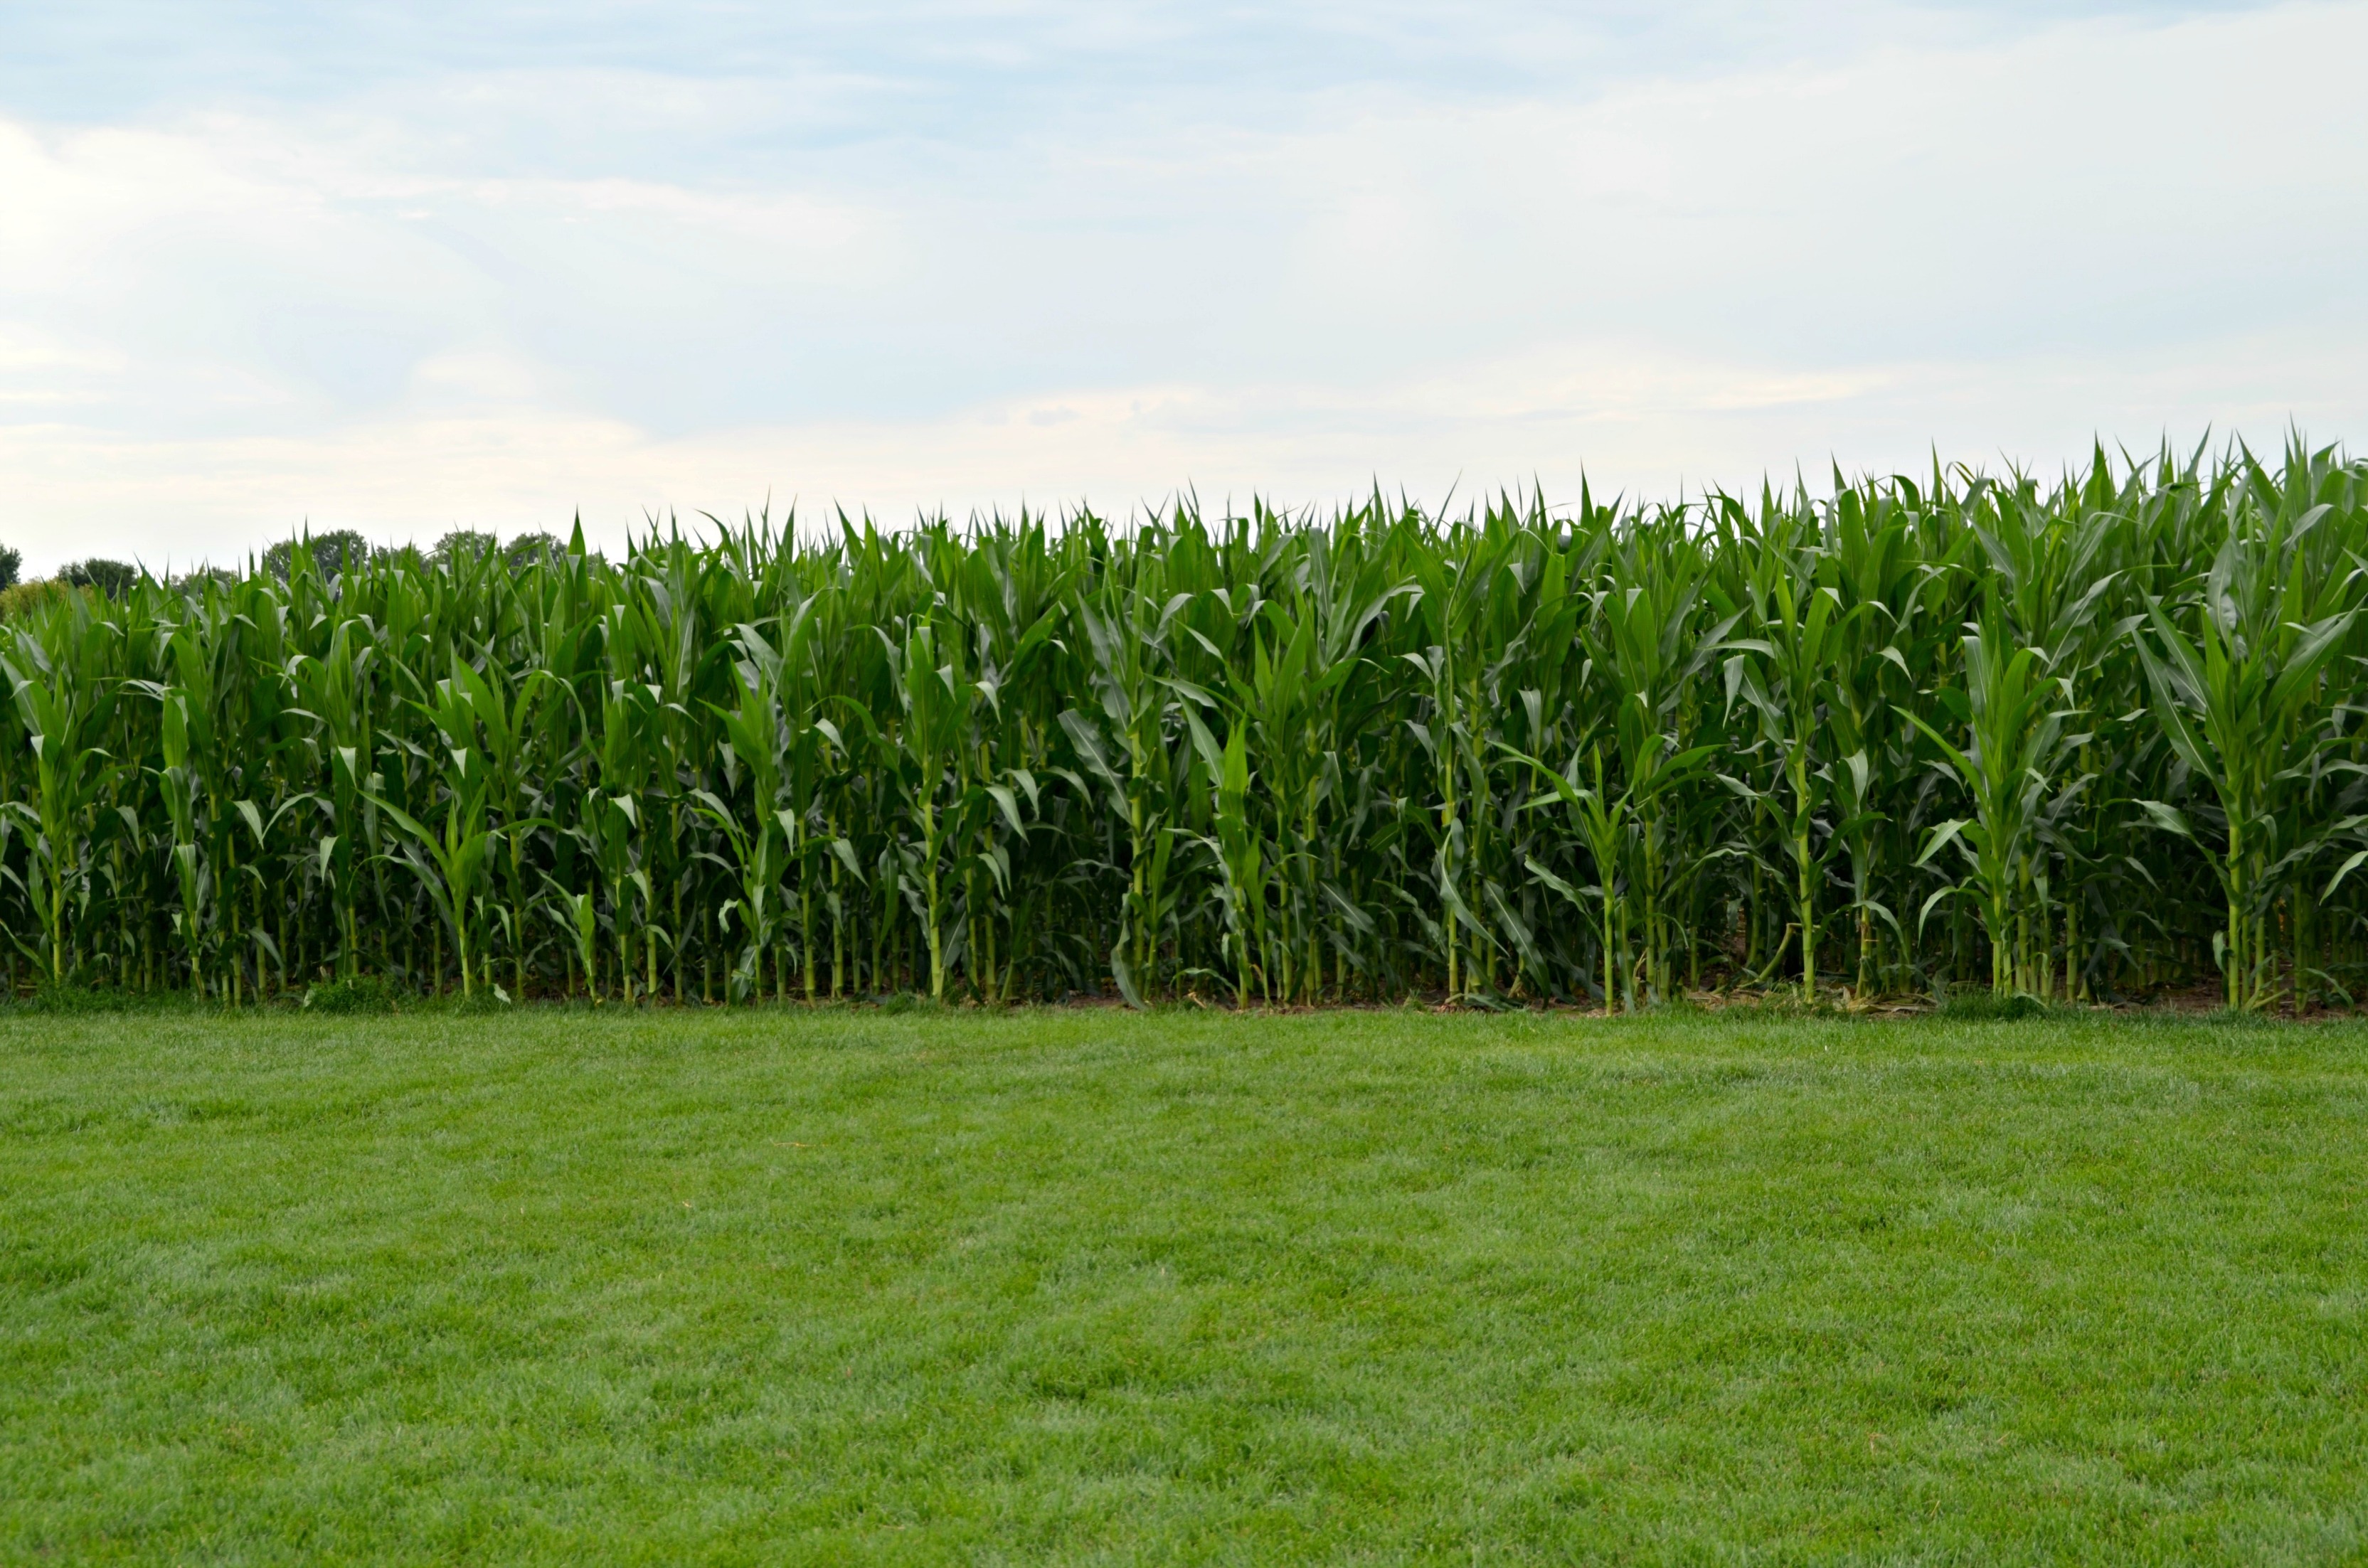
(1082,1286)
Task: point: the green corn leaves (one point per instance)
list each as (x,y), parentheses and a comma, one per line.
(2091,739)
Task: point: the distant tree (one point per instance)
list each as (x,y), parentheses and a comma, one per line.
(335,552)
(12,565)
(463,544)
(113,578)
(534,550)
(191,581)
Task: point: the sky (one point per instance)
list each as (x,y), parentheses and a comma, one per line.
(410,268)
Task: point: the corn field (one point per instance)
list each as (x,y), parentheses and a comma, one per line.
(2085,741)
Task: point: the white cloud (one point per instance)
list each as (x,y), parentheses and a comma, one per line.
(213,327)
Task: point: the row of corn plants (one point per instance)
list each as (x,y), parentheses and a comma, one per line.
(2086,739)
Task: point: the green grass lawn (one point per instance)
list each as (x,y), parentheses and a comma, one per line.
(1084,1286)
